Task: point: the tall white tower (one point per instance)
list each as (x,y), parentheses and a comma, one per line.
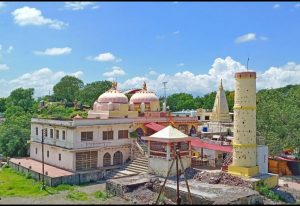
(244,142)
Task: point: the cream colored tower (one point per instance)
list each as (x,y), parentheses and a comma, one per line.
(220,112)
(244,142)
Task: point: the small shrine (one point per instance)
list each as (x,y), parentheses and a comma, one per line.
(161,150)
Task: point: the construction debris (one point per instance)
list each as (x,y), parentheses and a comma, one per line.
(221,178)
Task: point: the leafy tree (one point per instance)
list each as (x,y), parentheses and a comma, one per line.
(68,88)
(180,101)
(14,132)
(92,91)
(2,104)
(21,97)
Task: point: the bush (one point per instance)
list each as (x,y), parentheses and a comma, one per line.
(77,195)
(267,192)
(102,195)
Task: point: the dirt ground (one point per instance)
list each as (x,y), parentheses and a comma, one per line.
(61,198)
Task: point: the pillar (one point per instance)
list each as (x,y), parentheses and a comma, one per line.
(244,142)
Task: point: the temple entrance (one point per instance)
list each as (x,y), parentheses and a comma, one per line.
(106,160)
(118,158)
(192,131)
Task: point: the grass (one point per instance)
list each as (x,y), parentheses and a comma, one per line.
(102,195)
(77,195)
(267,192)
(16,184)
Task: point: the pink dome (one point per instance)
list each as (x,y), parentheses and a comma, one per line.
(113,96)
(143,96)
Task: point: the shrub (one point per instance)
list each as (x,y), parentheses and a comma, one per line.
(77,195)
(102,195)
(267,192)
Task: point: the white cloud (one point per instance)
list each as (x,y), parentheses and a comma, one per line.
(80,5)
(276,6)
(199,84)
(263,38)
(4,67)
(41,80)
(297,6)
(31,16)
(180,65)
(10,49)
(176,32)
(116,71)
(152,72)
(2,4)
(160,37)
(54,51)
(105,57)
(246,38)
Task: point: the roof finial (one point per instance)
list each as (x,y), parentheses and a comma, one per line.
(114,85)
(145,86)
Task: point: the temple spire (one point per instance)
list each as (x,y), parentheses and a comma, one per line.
(221,85)
(145,86)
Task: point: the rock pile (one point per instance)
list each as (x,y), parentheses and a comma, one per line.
(221,178)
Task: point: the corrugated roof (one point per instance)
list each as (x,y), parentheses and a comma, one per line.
(200,144)
(154,126)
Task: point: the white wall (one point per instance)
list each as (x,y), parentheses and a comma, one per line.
(262,158)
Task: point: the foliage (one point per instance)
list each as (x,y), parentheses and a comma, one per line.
(2,105)
(90,92)
(14,184)
(21,97)
(14,132)
(266,191)
(180,101)
(67,88)
(102,195)
(278,114)
(77,195)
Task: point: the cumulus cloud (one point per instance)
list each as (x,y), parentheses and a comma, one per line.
(115,72)
(4,67)
(199,84)
(105,57)
(31,16)
(297,6)
(263,38)
(246,38)
(176,32)
(80,5)
(152,72)
(276,6)
(54,51)
(41,80)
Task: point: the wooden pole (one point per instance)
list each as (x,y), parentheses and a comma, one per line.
(186,182)
(177,179)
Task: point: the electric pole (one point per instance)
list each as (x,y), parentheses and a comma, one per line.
(43,178)
(165,93)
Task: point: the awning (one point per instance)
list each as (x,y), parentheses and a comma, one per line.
(198,143)
(154,126)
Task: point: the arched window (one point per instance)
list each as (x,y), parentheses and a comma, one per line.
(118,158)
(106,160)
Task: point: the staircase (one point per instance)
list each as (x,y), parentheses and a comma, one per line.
(226,162)
(137,166)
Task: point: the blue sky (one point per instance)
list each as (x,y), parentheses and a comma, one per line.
(189,44)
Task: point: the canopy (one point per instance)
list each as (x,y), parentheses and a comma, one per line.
(154,126)
(200,144)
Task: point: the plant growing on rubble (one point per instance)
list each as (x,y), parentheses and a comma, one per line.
(102,195)
(77,195)
(267,192)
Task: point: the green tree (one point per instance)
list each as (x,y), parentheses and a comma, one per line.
(180,101)
(68,88)
(21,97)
(14,132)
(90,92)
(2,104)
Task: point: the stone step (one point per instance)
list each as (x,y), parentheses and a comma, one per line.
(138,171)
(136,166)
(145,164)
(141,160)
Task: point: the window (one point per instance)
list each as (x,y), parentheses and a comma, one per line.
(108,135)
(123,134)
(35,150)
(47,153)
(36,131)
(206,117)
(59,157)
(46,132)
(63,135)
(57,134)
(51,133)
(86,136)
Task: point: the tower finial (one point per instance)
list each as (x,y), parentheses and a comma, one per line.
(145,86)
(114,85)
(221,85)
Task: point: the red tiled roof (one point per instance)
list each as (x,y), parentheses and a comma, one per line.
(198,143)
(154,126)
